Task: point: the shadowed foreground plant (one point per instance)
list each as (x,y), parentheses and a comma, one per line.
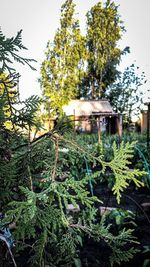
(39,186)
(43,222)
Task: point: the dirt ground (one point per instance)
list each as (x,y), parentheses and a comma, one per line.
(97,254)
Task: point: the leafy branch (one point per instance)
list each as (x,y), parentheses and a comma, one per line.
(9,49)
(120,165)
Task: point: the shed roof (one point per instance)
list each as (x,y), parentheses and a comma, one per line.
(88,107)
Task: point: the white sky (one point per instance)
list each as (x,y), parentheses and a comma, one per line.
(39,20)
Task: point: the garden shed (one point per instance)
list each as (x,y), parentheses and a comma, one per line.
(94,115)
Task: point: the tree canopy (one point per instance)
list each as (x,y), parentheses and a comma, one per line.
(82,66)
(125,94)
(104,30)
(78,66)
(62,69)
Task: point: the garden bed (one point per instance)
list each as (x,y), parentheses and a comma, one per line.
(96,254)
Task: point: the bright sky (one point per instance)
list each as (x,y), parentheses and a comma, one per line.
(39,20)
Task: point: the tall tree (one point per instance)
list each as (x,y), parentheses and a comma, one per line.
(104,30)
(125,94)
(62,69)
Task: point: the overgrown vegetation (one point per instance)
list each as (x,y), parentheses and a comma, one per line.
(46,181)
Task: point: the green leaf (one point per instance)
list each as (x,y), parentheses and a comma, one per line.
(146,263)
(79,238)
(77,262)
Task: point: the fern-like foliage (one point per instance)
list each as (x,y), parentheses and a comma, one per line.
(121,245)
(120,165)
(39,249)
(9,49)
(10,115)
(26,116)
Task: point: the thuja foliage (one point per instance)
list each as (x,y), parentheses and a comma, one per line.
(13,120)
(9,52)
(123,174)
(43,221)
(38,187)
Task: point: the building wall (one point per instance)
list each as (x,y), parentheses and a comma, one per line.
(144,121)
(91,124)
(83,124)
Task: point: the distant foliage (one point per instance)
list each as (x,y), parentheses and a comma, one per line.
(62,69)
(104,30)
(81,66)
(125,94)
